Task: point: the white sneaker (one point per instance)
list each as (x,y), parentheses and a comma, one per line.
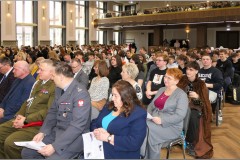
(220,118)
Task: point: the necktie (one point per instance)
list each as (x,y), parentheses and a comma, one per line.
(4,77)
(62,92)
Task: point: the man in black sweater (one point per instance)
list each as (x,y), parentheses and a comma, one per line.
(213,79)
(226,67)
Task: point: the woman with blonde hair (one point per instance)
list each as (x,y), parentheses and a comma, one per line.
(52,54)
(21,56)
(129,73)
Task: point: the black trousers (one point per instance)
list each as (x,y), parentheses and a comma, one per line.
(192,133)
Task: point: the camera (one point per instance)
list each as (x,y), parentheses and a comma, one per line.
(189,88)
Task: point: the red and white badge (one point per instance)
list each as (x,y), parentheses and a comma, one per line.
(80,103)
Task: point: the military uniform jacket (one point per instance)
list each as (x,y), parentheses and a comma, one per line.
(68,118)
(40,100)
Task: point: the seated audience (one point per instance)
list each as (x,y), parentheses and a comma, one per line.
(168,108)
(18,93)
(99,87)
(121,125)
(6,77)
(199,129)
(182,60)
(30,116)
(171,62)
(156,76)
(212,77)
(129,73)
(140,77)
(34,70)
(66,121)
(79,75)
(236,63)
(225,66)
(115,69)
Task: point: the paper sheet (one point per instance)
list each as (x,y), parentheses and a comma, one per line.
(31,144)
(93,148)
(149,116)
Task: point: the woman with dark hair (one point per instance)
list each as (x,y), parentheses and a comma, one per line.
(31,58)
(182,60)
(199,129)
(9,54)
(140,77)
(121,125)
(99,86)
(115,69)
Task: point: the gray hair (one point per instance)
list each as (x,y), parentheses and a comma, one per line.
(132,70)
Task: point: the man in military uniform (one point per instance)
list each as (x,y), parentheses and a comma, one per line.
(67,119)
(30,116)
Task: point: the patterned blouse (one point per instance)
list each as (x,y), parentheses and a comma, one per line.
(99,88)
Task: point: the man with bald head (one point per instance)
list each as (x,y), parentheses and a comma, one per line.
(19,91)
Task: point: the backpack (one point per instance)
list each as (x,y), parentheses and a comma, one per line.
(233,95)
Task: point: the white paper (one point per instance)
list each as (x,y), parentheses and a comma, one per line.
(31,144)
(149,116)
(93,148)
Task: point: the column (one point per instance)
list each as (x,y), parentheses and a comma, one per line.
(92,16)
(201,36)
(8,24)
(43,23)
(158,36)
(70,23)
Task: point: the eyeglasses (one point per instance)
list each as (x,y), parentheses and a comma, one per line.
(75,66)
(159,60)
(168,78)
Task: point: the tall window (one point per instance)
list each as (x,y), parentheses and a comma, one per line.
(116,10)
(116,37)
(80,22)
(24,19)
(99,10)
(55,13)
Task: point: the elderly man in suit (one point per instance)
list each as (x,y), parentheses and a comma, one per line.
(6,77)
(67,119)
(18,93)
(31,114)
(79,74)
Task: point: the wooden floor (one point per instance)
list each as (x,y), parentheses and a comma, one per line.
(225,137)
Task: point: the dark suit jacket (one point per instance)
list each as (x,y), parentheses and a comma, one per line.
(129,134)
(82,78)
(6,85)
(18,93)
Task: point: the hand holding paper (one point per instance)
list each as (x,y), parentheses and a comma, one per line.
(31,144)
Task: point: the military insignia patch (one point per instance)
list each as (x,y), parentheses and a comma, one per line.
(80,103)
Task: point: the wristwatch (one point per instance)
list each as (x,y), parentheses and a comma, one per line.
(109,138)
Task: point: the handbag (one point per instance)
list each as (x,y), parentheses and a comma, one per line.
(202,147)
